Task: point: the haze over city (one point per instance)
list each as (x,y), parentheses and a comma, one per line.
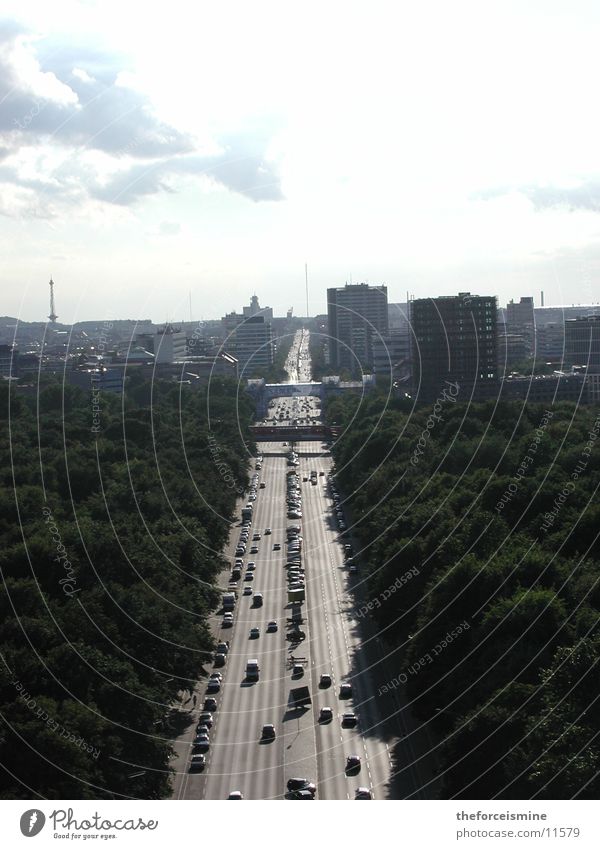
(217,150)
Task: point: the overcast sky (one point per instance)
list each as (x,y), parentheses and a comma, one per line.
(151,150)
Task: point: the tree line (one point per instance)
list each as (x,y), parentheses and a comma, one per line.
(485,520)
(110,552)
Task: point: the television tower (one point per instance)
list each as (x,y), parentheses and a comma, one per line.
(52,315)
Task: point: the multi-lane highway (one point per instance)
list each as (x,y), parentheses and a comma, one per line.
(304,745)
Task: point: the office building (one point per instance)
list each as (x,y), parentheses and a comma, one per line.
(168,344)
(254,344)
(357,314)
(391,354)
(455,339)
(582,342)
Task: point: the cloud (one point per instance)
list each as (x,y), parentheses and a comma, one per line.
(76,98)
(585,196)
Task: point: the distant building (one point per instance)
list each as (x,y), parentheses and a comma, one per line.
(550,342)
(582,342)
(520,321)
(455,340)
(391,354)
(399,319)
(513,348)
(167,343)
(545,389)
(519,315)
(256,309)
(356,314)
(254,343)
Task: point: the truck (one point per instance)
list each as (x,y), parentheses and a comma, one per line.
(247,512)
(252,670)
(228,601)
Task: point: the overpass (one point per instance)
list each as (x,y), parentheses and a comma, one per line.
(263,392)
(289,433)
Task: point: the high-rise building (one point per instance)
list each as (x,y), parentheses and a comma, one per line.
(520,321)
(357,313)
(455,339)
(254,344)
(519,315)
(582,342)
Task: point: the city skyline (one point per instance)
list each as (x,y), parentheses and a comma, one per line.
(377,146)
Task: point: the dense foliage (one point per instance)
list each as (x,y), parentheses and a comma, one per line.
(485,520)
(111,525)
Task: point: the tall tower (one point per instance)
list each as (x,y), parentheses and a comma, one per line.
(52,315)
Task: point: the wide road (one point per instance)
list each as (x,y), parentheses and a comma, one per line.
(237,760)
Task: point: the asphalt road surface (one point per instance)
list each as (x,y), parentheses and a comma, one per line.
(303,747)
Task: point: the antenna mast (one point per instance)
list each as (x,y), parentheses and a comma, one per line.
(52,315)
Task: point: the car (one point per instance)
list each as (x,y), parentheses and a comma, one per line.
(305,479)
(251,566)
(262,484)
(277,546)
(345,690)
(353,569)
(256,536)
(209,705)
(325,680)
(217,675)
(297,670)
(205,718)
(254,549)
(363,793)
(268,732)
(267,531)
(197,762)
(201,742)
(227,619)
(349,719)
(249,576)
(241,549)
(301,784)
(300,794)
(353,763)
(258,600)
(202,728)
(213,686)
(325,714)
(247,591)
(321,474)
(236,794)
(254,633)
(220,659)
(272,626)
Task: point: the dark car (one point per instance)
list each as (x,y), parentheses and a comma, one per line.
(300,794)
(301,784)
(210,705)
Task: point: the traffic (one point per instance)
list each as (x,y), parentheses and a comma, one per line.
(284,710)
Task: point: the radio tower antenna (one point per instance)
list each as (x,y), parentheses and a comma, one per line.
(52,315)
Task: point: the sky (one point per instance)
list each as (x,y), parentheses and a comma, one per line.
(212,149)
